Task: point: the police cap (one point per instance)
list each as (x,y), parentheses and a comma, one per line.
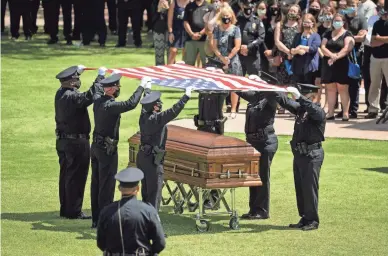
(129,177)
(68,74)
(111,81)
(307,88)
(154,96)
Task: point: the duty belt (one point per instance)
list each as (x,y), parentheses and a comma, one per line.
(141,253)
(260,134)
(303,148)
(71,136)
(145,147)
(100,139)
(211,122)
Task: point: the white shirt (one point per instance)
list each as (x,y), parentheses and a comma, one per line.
(371,22)
(367,9)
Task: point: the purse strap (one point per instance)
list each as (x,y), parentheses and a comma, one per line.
(354,57)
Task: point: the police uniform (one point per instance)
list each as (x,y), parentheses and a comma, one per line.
(308,154)
(127,226)
(252,35)
(132,9)
(72,131)
(93,22)
(17,9)
(107,114)
(260,133)
(153,138)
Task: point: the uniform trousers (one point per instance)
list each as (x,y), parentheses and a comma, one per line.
(104,169)
(34,14)
(3,8)
(93,21)
(112,11)
(152,184)
(306,178)
(74,158)
(250,64)
(18,10)
(135,15)
(259,196)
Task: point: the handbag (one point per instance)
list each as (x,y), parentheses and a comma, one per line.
(354,71)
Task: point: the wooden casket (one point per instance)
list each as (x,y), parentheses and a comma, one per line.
(205,160)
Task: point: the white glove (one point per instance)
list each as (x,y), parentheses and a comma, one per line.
(294,92)
(80,69)
(115,72)
(102,71)
(254,77)
(146,82)
(180,62)
(188,91)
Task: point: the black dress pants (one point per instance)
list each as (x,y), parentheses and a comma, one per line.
(74,159)
(112,11)
(135,15)
(94,23)
(3,8)
(18,10)
(34,14)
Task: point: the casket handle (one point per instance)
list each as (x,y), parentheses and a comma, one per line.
(174,170)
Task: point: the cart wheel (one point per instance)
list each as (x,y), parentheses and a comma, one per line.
(203,226)
(178,210)
(192,207)
(233,223)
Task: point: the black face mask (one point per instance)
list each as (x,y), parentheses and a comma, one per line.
(160,106)
(77,84)
(314,12)
(247,11)
(116,93)
(226,20)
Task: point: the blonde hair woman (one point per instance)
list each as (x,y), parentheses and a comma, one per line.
(227,43)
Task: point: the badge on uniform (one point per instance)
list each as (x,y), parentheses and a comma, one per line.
(253,26)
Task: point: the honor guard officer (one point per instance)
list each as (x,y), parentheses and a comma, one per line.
(308,153)
(72,132)
(260,133)
(132,9)
(107,114)
(128,226)
(153,136)
(252,36)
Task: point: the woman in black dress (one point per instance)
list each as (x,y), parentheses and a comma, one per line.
(336,45)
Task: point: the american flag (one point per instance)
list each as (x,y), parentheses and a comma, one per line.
(181,76)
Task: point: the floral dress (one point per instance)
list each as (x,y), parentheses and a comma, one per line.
(223,38)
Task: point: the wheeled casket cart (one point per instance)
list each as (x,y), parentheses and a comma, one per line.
(197,162)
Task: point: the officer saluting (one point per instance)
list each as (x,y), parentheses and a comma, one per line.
(252,36)
(107,114)
(153,138)
(128,226)
(72,131)
(308,153)
(260,133)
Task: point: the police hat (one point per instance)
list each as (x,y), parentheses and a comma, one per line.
(129,177)
(68,74)
(307,88)
(111,81)
(154,96)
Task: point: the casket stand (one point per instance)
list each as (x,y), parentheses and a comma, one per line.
(203,162)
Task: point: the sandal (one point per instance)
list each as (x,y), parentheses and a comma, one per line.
(233,115)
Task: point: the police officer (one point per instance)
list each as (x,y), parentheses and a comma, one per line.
(153,138)
(127,226)
(21,8)
(260,133)
(72,132)
(132,9)
(93,22)
(308,153)
(252,36)
(107,114)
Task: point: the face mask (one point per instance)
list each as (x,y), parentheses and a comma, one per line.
(292,16)
(261,13)
(226,20)
(307,25)
(116,93)
(76,84)
(247,11)
(159,105)
(338,24)
(382,12)
(314,12)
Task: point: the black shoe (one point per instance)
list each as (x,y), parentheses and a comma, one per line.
(339,115)
(114,32)
(52,41)
(246,216)
(228,109)
(102,45)
(120,45)
(139,46)
(76,38)
(258,216)
(371,115)
(313,225)
(69,42)
(28,38)
(94,225)
(353,116)
(81,216)
(300,224)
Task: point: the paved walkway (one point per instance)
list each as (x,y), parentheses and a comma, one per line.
(284,125)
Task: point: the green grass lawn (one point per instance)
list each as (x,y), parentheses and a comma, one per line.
(353,186)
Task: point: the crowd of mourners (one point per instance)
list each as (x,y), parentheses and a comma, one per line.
(287,42)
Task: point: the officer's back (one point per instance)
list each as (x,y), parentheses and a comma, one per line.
(106,119)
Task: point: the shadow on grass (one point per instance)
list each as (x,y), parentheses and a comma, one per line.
(378,169)
(50,221)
